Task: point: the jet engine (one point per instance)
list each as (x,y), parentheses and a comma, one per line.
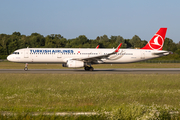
(73,64)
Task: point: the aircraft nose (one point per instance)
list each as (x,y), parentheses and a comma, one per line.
(9,58)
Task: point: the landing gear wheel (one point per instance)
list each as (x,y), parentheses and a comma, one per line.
(26,69)
(91,68)
(86,68)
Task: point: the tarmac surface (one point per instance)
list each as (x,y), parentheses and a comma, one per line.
(96,71)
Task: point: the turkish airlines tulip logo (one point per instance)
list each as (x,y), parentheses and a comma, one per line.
(156,42)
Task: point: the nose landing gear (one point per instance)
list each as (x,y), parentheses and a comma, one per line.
(26,67)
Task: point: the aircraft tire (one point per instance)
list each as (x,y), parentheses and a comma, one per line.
(86,68)
(91,69)
(25,69)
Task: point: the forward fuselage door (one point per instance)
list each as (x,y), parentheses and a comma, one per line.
(26,53)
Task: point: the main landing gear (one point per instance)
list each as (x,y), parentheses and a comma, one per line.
(26,67)
(87,68)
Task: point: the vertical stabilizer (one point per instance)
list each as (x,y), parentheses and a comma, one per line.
(157,41)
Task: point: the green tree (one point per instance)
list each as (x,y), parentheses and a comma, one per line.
(135,42)
(36,40)
(13,42)
(49,42)
(143,43)
(79,41)
(121,40)
(128,44)
(10,43)
(104,39)
(4,44)
(169,45)
(16,33)
(60,43)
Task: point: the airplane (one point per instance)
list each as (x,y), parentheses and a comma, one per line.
(86,57)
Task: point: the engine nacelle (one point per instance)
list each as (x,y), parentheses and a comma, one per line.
(75,64)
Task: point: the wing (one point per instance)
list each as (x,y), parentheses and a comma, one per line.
(97,47)
(98,57)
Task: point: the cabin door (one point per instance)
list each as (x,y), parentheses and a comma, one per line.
(142,55)
(26,54)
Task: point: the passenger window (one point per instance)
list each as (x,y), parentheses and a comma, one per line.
(16,53)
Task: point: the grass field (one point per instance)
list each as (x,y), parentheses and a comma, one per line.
(124,95)
(11,65)
(53,92)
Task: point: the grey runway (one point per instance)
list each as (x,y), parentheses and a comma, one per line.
(96,71)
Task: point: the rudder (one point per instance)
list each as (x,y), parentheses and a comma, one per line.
(157,41)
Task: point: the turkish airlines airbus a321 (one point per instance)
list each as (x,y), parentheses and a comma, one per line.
(80,57)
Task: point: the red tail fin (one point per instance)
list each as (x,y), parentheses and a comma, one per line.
(157,41)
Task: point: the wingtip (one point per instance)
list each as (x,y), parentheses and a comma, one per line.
(97,47)
(117,49)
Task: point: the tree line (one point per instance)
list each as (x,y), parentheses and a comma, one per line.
(10,43)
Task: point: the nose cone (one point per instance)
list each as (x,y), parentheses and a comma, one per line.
(9,58)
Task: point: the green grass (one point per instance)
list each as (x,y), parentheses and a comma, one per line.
(11,65)
(53,92)
(142,96)
(53,117)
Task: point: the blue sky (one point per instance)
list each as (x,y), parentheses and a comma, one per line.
(92,18)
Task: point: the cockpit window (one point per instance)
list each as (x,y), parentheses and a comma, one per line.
(15,52)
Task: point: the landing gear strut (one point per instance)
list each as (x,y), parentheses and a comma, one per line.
(87,68)
(26,67)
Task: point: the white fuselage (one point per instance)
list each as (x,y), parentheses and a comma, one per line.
(61,55)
